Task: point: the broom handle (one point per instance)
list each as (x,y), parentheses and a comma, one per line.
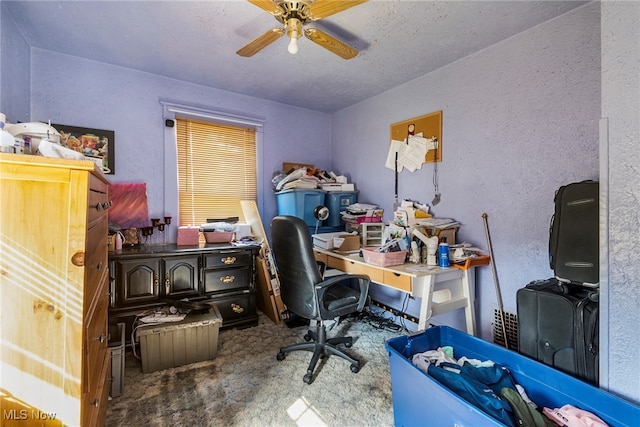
(495,280)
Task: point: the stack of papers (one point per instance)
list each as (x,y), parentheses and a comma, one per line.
(410,152)
(440,223)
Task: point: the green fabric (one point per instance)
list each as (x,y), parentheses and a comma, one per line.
(525,414)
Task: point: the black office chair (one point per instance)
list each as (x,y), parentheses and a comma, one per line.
(307,294)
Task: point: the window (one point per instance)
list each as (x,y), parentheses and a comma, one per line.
(216,170)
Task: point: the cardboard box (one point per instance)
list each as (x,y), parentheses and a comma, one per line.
(346,243)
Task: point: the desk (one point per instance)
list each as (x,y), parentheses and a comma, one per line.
(441,289)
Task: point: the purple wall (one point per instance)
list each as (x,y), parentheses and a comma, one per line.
(74,91)
(15,69)
(520,119)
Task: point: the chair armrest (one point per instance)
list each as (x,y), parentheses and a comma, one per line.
(363,282)
(322,267)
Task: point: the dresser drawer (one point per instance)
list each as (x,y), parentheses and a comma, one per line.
(230,279)
(94,401)
(96,336)
(231,258)
(236,307)
(96,258)
(98,199)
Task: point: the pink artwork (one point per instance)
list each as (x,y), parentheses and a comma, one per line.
(130,208)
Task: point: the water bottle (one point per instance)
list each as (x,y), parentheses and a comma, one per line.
(443,253)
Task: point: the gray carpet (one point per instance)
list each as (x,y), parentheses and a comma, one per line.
(246,386)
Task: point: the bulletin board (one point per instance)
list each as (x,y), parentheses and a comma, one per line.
(430,125)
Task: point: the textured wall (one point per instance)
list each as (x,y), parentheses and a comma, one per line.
(520,119)
(73,91)
(621,108)
(14,70)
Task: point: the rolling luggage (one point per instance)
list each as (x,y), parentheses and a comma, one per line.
(574,234)
(558,326)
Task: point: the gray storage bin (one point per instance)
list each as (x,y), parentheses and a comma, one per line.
(117,346)
(168,345)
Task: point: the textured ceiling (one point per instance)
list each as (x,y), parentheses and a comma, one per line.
(196,41)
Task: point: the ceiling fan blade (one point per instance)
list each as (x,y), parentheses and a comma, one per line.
(267,5)
(323,8)
(332,44)
(261,42)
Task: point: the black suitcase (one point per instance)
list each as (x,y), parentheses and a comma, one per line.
(558,326)
(574,234)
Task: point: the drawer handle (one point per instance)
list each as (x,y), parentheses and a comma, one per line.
(229,260)
(101,338)
(99,266)
(103,205)
(227,279)
(236,308)
(96,403)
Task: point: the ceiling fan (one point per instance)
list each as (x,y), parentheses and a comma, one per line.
(294,15)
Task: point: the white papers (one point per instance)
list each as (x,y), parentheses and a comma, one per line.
(410,153)
(396,147)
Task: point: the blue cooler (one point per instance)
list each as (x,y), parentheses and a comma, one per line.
(300,203)
(336,202)
(419,400)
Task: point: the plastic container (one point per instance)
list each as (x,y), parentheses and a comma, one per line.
(219,236)
(300,203)
(337,202)
(383,259)
(167,345)
(419,400)
(117,347)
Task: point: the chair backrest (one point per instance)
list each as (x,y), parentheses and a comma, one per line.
(297,268)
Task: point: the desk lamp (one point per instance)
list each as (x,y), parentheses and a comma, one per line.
(321,213)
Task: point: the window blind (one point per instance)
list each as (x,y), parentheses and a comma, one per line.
(216,170)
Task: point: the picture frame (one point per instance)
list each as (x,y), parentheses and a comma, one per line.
(96,144)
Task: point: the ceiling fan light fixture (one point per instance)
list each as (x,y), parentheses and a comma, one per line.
(294,31)
(293,45)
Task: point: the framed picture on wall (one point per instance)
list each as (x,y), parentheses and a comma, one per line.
(97,144)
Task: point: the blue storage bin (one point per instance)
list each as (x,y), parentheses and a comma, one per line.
(419,400)
(300,203)
(336,202)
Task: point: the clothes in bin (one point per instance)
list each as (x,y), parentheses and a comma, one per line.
(172,344)
(418,399)
(300,203)
(336,202)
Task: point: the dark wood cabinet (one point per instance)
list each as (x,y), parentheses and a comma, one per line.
(149,276)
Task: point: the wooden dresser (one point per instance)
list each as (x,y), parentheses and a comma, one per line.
(54,358)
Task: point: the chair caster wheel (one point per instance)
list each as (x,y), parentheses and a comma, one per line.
(307,378)
(307,337)
(355,369)
(281,356)
(348,344)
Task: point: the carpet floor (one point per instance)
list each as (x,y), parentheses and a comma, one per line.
(246,386)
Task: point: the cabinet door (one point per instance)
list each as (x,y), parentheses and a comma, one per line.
(138,281)
(181,276)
